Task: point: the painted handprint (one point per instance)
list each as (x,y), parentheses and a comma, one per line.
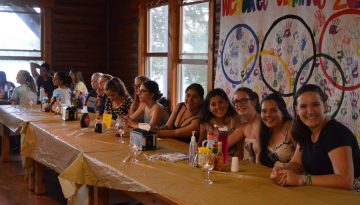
(295,58)
(354,98)
(346,40)
(279,38)
(287,28)
(320,17)
(334,26)
(303,43)
(251,46)
(227,60)
(349,57)
(239,34)
(354,70)
(268,65)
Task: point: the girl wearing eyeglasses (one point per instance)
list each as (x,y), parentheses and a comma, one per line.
(154,113)
(276,142)
(247,106)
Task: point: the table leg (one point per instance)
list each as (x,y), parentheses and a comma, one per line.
(31,174)
(91,195)
(5,144)
(39,178)
(101,196)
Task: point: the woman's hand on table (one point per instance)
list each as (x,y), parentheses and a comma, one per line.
(285,177)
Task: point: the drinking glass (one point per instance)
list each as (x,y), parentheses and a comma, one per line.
(134,151)
(208,165)
(58,106)
(120,127)
(31,104)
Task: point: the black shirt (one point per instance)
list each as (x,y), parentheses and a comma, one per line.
(48,86)
(315,158)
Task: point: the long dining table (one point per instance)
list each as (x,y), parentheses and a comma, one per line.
(83,157)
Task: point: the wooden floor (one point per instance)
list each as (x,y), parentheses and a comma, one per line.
(14,189)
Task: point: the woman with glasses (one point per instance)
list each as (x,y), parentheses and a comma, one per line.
(247,105)
(217,110)
(327,153)
(277,145)
(154,113)
(119,100)
(185,117)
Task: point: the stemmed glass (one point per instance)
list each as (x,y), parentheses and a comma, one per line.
(208,165)
(58,107)
(31,104)
(120,127)
(134,151)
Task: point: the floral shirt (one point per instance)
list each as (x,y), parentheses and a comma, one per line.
(123,109)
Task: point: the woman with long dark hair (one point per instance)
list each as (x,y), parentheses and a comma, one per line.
(217,111)
(327,153)
(277,145)
(154,113)
(186,115)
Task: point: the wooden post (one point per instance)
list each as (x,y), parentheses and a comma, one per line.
(5,144)
(39,178)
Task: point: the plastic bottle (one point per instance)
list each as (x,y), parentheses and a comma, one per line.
(192,151)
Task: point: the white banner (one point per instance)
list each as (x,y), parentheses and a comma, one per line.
(277,46)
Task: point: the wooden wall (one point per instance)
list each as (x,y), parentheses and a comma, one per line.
(79,36)
(123,40)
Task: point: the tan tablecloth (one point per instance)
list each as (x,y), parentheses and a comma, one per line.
(182,184)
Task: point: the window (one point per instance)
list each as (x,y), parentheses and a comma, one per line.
(194,29)
(20,38)
(174,38)
(157,54)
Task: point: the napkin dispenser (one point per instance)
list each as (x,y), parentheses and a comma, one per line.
(69,113)
(144,139)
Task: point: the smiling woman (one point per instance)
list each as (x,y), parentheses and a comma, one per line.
(327,153)
(277,145)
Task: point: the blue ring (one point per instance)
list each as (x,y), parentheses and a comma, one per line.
(257,53)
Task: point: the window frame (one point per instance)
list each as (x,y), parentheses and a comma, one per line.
(173,54)
(45,29)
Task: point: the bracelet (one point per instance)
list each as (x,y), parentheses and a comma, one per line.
(308,180)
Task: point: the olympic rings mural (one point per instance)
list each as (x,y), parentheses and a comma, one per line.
(290,54)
